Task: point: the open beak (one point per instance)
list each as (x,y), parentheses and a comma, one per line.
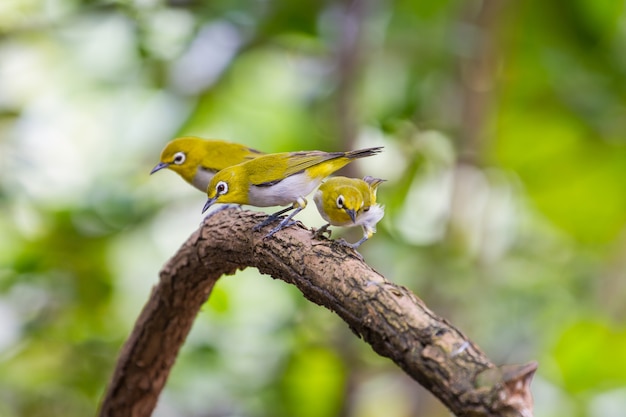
(208,204)
(352,214)
(159,167)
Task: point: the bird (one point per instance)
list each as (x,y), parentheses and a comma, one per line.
(278,179)
(343,201)
(197,160)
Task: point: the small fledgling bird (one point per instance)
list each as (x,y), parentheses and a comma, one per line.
(197,160)
(278,179)
(343,201)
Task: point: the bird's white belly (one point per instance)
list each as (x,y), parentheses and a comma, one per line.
(284,192)
(368,219)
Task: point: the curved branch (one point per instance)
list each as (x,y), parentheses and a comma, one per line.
(389,317)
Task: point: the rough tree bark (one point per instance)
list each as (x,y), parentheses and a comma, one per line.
(389,317)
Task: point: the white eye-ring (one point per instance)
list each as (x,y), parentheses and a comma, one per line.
(179,158)
(340,201)
(221,188)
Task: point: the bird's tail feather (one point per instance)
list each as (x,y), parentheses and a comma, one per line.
(362,153)
(373,182)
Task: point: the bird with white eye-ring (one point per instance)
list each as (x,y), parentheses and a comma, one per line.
(197,160)
(348,202)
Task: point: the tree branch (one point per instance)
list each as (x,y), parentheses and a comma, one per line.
(389,317)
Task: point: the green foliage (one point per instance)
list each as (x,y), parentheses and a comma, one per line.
(313,384)
(591,357)
(570,176)
(503,125)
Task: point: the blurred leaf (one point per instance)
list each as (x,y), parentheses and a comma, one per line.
(592,356)
(286,16)
(219,301)
(600,18)
(313,384)
(264,89)
(572,178)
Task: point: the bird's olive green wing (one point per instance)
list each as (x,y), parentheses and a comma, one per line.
(300,161)
(267,170)
(322,164)
(272,168)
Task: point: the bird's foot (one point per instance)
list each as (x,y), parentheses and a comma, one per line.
(280,226)
(265,222)
(319,233)
(352,246)
(272,217)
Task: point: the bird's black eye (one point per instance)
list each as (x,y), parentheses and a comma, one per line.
(340,201)
(221,188)
(179,158)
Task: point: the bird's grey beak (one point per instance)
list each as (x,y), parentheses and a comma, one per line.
(208,204)
(352,214)
(159,167)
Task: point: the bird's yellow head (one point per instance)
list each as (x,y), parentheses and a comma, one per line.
(342,203)
(183,156)
(229,185)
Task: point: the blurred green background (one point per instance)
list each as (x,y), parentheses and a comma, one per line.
(504,126)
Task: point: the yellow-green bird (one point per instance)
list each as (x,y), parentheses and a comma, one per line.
(343,201)
(278,179)
(197,160)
